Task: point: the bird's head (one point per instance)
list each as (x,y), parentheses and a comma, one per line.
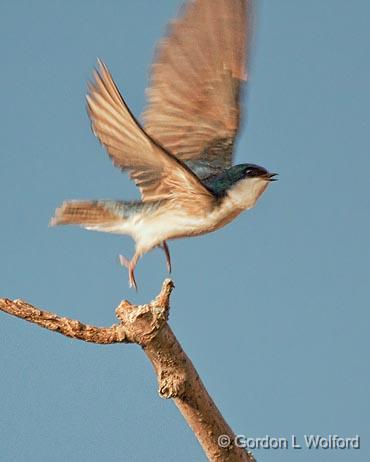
(249,181)
(252,171)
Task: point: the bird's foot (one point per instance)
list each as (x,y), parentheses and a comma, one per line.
(130,265)
(166,250)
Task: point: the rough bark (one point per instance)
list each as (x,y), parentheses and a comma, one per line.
(147,326)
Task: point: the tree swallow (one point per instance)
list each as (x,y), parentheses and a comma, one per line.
(181,158)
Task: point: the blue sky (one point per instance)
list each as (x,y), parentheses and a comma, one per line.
(273,309)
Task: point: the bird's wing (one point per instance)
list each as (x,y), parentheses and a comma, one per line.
(158,174)
(197,76)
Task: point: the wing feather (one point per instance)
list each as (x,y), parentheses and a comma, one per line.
(158,174)
(197,78)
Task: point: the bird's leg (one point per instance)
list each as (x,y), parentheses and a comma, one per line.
(166,250)
(130,265)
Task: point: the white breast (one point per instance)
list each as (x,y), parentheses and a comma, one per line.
(148,231)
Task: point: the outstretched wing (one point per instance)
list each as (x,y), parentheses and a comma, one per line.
(157,173)
(194,95)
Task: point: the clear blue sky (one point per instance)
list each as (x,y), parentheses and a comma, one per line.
(273,309)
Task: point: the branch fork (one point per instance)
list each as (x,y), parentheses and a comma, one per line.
(147,326)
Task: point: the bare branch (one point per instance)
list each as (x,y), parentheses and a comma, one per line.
(68,327)
(147,326)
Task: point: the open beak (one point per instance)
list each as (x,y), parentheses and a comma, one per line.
(270,176)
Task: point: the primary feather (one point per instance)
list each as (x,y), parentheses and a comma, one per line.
(158,174)
(197,77)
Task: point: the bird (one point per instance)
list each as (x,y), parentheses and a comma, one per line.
(181,156)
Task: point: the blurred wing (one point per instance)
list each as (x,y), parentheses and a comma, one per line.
(194,96)
(158,174)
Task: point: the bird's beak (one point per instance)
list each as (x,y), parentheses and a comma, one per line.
(270,176)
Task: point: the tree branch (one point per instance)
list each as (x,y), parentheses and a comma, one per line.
(147,326)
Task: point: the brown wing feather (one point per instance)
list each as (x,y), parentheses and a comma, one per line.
(194,95)
(157,173)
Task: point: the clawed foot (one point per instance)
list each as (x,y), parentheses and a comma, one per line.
(130,265)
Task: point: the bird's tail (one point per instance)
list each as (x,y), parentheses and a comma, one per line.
(94,214)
